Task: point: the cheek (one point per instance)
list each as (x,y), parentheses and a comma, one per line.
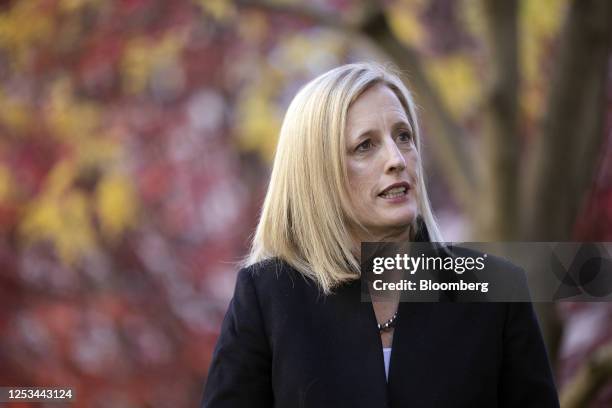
(360,179)
(412,164)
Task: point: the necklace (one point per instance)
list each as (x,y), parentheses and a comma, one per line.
(389,324)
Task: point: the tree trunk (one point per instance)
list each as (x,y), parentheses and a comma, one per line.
(563,160)
(499,163)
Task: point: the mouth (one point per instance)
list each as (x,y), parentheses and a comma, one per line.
(395,190)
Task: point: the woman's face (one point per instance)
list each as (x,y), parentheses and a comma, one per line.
(381,162)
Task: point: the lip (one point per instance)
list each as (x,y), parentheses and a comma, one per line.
(396,185)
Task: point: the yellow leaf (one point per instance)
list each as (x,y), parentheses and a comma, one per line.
(77,235)
(64,221)
(6,183)
(116,205)
(143,57)
(24,25)
(253,28)
(71,6)
(540,23)
(260,113)
(404,22)
(60,178)
(14,114)
(471,13)
(42,220)
(69,118)
(59,215)
(259,127)
(221,10)
(135,66)
(101,150)
(455,77)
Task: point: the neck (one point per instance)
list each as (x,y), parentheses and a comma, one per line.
(398,234)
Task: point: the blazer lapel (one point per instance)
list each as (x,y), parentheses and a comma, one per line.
(366,346)
(409,367)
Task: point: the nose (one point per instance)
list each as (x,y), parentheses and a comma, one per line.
(396,162)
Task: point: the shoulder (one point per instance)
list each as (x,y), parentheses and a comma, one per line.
(279,293)
(274,276)
(275,266)
(271,269)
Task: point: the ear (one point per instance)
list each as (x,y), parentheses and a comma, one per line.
(422,235)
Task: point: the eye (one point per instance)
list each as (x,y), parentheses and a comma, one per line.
(404,136)
(364,146)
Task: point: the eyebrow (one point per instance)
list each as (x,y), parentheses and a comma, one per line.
(403,123)
(397,125)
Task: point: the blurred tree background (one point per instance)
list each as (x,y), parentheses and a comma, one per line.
(135,144)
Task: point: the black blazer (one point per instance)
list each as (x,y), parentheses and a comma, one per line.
(283,344)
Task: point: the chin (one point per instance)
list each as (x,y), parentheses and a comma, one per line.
(398,222)
(402,218)
(405,222)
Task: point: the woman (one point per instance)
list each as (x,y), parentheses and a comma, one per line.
(348,169)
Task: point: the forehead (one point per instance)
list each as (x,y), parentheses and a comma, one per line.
(378,103)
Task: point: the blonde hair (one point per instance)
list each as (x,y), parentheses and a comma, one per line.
(305,215)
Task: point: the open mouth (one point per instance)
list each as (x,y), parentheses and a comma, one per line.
(395,191)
